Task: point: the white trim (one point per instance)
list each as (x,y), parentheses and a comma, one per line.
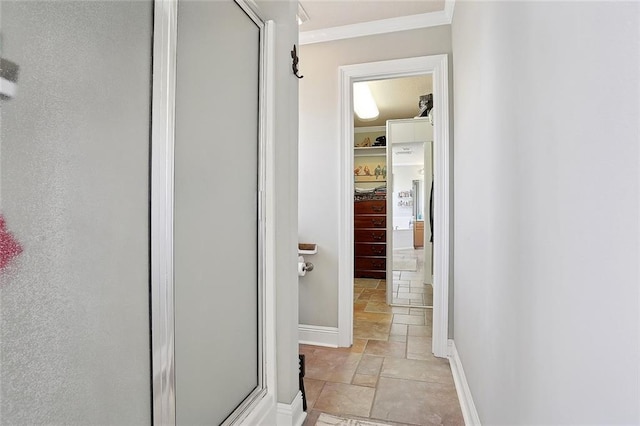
(348,74)
(162,154)
(318,335)
(263,413)
(449,7)
(382,26)
(370,129)
(291,414)
(441,149)
(467,406)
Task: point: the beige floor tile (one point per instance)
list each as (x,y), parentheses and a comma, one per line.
(326,364)
(372,332)
(408,319)
(379,297)
(360,305)
(435,370)
(340,398)
(312,418)
(411,276)
(377,306)
(417,311)
(419,345)
(397,338)
(417,403)
(386,349)
(312,389)
(400,310)
(365,282)
(365,380)
(358,345)
(420,330)
(416,296)
(370,365)
(398,329)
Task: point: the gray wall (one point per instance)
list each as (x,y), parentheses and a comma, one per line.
(75,152)
(547,184)
(319,156)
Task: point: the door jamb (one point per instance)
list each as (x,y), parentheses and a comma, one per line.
(437,66)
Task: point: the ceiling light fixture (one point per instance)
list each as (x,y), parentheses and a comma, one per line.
(363,102)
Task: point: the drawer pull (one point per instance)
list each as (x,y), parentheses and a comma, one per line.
(377,222)
(377,209)
(376,237)
(379,251)
(379,265)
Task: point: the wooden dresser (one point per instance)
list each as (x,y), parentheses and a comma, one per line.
(370,238)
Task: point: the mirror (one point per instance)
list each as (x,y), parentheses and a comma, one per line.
(410,247)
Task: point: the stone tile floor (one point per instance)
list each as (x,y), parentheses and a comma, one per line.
(389,374)
(408,286)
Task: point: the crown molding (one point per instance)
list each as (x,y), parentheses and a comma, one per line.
(449,6)
(382,26)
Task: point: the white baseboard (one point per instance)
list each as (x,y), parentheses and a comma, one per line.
(318,335)
(291,414)
(469,411)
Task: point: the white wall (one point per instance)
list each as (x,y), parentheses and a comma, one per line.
(320,149)
(546,210)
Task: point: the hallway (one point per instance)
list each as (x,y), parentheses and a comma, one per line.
(388,374)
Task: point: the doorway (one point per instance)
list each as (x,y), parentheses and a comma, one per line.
(437,67)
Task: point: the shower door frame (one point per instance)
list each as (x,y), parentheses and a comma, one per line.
(260,406)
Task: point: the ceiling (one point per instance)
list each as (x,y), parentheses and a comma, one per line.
(334,13)
(396,98)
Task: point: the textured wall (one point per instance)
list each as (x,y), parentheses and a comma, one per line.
(75,152)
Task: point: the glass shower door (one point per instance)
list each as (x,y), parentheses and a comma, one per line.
(74,167)
(217,226)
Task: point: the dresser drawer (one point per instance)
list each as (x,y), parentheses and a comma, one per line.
(370,235)
(370,207)
(370,249)
(370,221)
(366,273)
(371,263)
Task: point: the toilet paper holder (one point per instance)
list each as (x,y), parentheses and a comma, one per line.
(304,266)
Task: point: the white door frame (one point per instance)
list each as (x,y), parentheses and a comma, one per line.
(437,66)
